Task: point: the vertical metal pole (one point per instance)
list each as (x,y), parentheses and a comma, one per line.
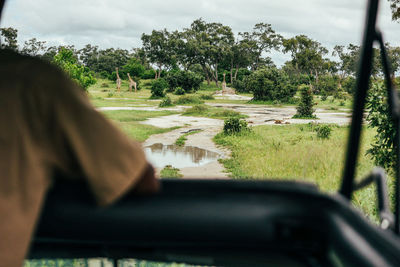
(364,72)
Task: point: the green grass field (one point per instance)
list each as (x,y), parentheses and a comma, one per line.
(294,152)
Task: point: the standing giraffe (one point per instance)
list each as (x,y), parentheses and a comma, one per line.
(131,82)
(118,80)
(224,85)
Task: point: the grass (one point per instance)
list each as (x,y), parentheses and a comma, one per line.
(182,139)
(294,152)
(170,172)
(128,122)
(212,112)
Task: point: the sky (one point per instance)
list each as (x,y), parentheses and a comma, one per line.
(120,23)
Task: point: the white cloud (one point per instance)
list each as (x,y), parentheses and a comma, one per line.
(120,23)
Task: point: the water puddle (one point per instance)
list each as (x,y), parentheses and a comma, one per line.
(179,157)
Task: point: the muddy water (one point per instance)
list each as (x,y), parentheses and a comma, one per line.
(179,157)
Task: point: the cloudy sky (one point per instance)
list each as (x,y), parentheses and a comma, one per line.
(120,23)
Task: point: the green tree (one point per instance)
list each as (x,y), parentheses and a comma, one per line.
(157,47)
(379,118)
(9,36)
(270,84)
(66,60)
(33,47)
(305,107)
(395,6)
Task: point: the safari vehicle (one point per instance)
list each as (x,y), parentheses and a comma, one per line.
(236,223)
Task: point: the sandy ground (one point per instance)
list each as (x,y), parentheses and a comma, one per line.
(260,115)
(203,139)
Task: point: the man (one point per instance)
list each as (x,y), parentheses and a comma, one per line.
(48,124)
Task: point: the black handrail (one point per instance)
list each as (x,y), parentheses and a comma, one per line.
(371,34)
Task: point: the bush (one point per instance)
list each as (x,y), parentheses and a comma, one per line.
(235,125)
(104,85)
(158,88)
(349,85)
(381,150)
(270,84)
(134,68)
(327,84)
(149,74)
(188,80)
(323,131)
(196,109)
(166,102)
(305,107)
(324,97)
(239,86)
(66,60)
(207,97)
(179,91)
(188,100)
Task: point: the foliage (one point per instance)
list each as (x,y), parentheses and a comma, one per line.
(270,84)
(323,131)
(170,172)
(207,97)
(235,125)
(327,84)
(133,67)
(305,107)
(158,88)
(81,75)
(240,86)
(349,85)
(188,80)
(166,102)
(196,109)
(395,6)
(10,37)
(381,150)
(182,139)
(188,100)
(179,91)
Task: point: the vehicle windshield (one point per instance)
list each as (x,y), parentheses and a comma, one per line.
(223,89)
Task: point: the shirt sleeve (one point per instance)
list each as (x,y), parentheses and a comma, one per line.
(111,162)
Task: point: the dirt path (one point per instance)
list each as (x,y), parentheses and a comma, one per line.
(209,128)
(258,115)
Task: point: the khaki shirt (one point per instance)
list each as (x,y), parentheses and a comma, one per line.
(47,123)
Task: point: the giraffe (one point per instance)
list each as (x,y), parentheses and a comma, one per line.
(131,83)
(118,80)
(224,85)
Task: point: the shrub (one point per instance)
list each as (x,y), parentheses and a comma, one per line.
(305,107)
(196,109)
(104,85)
(179,91)
(324,131)
(166,102)
(327,84)
(207,97)
(239,86)
(158,88)
(149,74)
(188,80)
(324,97)
(349,85)
(110,94)
(381,150)
(234,126)
(66,60)
(270,84)
(133,67)
(188,100)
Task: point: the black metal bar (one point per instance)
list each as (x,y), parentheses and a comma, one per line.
(364,72)
(393,101)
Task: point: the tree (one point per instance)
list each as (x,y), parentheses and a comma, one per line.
(89,56)
(395,6)
(270,84)
(307,55)
(305,107)
(157,47)
(67,60)
(9,35)
(262,40)
(33,47)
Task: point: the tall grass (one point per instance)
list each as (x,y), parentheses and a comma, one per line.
(295,152)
